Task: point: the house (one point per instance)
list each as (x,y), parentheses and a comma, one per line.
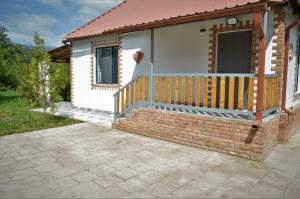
(221,75)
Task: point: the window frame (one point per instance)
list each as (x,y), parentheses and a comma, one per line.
(94,80)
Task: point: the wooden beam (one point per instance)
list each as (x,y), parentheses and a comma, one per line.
(261,67)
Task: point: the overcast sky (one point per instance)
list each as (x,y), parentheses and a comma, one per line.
(52,19)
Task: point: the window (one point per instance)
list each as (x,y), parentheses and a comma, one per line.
(107,65)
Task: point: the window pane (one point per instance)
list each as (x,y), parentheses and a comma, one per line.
(107,65)
(115,65)
(98,68)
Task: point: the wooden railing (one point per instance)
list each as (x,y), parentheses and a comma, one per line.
(222,91)
(230,92)
(132,93)
(271,92)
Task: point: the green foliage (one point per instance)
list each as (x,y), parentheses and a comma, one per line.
(9,54)
(35,78)
(16,116)
(60,81)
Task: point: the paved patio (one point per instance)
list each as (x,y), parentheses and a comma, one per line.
(89,161)
(66,109)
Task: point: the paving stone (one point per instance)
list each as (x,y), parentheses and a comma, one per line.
(34,192)
(125,173)
(4,178)
(22,173)
(160,188)
(62,184)
(40,179)
(188,191)
(85,188)
(132,185)
(84,176)
(62,172)
(13,186)
(277,180)
(24,164)
(108,180)
(264,191)
(175,180)
(101,170)
(48,167)
(141,195)
(151,176)
(10,196)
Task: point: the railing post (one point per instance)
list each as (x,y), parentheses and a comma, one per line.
(115,108)
(151,90)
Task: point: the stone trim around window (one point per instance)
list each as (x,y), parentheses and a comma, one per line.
(103,43)
(278,46)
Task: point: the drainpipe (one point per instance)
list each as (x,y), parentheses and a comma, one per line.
(261,66)
(285,65)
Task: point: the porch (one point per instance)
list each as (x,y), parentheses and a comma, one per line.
(221,95)
(228,104)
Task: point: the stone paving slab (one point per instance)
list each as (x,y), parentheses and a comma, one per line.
(89,160)
(66,109)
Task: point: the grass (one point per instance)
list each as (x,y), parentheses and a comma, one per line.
(16,117)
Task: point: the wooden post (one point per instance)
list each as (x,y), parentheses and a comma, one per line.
(261,67)
(205,91)
(197,91)
(231,93)
(175,90)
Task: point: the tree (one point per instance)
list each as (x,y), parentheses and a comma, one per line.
(35,78)
(8,64)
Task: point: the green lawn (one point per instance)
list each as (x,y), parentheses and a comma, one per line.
(16,117)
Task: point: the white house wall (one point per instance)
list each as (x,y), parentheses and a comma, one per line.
(132,42)
(83,95)
(269,42)
(290,18)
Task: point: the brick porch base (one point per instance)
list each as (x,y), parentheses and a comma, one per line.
(232,136)
(289,125)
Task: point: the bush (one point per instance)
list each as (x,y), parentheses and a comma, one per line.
(60,79)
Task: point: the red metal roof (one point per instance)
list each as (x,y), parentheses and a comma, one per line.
(137,12)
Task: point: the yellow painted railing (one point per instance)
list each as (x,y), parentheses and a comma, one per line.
(223,92)
(135,91)
(271,92)
(215,91)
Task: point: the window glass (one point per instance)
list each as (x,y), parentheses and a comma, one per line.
(107,65)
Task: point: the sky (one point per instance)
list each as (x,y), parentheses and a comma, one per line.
(51,19)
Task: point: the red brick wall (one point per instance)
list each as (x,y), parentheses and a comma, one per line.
(231,136)
(289,125)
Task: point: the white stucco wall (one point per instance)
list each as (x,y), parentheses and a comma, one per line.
(132,42)
(83,95)
(290,18)
(269,42)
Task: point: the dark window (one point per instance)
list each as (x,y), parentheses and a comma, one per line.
(107,65)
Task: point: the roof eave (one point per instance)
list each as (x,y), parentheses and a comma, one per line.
(258,7)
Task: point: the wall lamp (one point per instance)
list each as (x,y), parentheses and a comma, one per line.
(232,21)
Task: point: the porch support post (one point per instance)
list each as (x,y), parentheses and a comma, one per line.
(152,67)
(261,68)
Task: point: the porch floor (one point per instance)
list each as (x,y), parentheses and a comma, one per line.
(211,113)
